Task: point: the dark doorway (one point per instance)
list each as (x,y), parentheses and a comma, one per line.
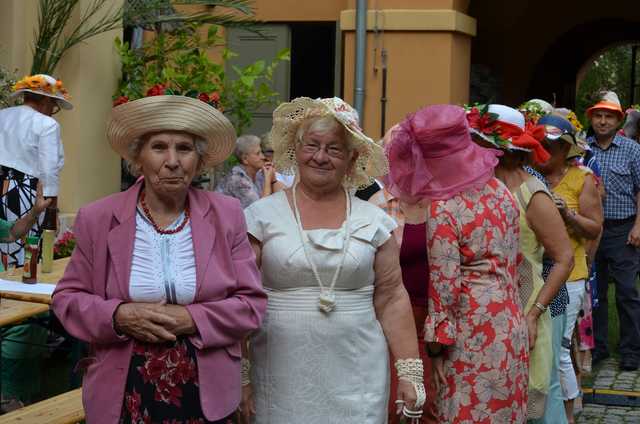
(313,56)
(555,75)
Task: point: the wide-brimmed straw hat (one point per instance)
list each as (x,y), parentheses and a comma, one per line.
(432,157)
(130,121)
(608,101)
(43,85)
(288,117)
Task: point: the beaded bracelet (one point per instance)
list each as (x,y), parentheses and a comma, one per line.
(412,371)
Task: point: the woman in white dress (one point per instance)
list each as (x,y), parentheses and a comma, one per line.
(336,300)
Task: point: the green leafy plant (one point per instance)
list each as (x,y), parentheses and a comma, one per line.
(7,80)
(179,63)
(57,32)
(55,36)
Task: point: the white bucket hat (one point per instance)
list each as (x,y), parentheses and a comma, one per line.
(43,85)
(288,117)
(130,121)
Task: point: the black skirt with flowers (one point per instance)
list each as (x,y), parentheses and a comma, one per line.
(162,386)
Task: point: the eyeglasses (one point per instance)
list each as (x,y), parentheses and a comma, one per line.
(332,150)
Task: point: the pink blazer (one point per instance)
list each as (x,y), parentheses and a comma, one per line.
(228,305)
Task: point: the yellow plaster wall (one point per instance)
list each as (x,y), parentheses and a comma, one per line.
(423,68)
(428,44)
(299,10)
(459,5)
(17,20)
(90,72)
(428,61)
(329,10)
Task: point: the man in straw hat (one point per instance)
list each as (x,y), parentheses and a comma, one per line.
(618,255)
(31,151)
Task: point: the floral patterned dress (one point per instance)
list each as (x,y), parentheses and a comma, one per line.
(162,386)
(474,307)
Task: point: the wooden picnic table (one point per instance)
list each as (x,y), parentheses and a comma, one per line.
(14,311)
(53,277)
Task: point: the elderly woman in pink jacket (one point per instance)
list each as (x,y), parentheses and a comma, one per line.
(163,283)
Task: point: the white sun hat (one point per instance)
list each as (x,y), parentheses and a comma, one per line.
(43,85)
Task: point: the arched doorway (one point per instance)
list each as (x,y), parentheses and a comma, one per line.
(560,68)
(535,49)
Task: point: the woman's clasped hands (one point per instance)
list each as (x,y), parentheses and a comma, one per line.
(153,322)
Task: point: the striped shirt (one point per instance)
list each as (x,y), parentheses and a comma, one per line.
(620,167)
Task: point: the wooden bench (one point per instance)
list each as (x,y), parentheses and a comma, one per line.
(14,311)
(62,409)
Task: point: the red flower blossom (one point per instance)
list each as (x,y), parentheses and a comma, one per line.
(166,369)
(64,246)
(215,97)
(484,123)
(204,97)
(156,90)
(132,403)
(120,100)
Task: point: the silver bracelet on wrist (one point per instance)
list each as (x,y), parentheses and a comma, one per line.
(541,307)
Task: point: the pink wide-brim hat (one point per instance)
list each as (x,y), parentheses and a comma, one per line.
(432,157)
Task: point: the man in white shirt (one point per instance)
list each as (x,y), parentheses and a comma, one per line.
(30,151)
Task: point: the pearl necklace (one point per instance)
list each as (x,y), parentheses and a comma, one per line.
(179,228)
(327,298)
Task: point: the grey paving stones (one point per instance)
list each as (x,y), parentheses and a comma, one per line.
(609,376)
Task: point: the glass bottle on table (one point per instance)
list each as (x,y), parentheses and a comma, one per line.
(31,251)
(48,239)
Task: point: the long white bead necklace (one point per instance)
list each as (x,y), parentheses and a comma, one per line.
(327,298)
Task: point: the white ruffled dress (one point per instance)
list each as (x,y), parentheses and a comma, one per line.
(307,366)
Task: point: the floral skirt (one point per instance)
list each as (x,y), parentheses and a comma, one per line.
(162,386)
